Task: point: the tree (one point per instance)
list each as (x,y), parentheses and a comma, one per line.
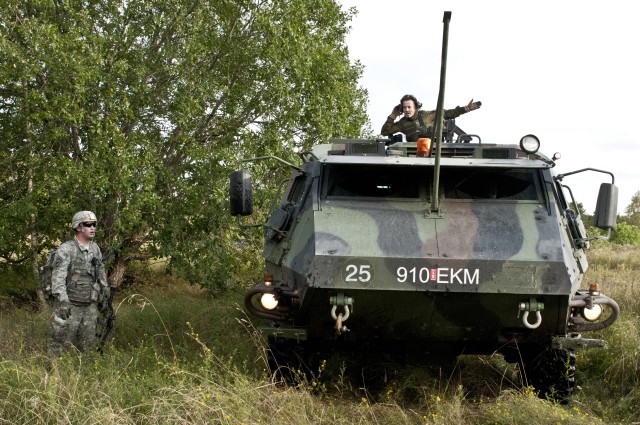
(138,111)
(633,210)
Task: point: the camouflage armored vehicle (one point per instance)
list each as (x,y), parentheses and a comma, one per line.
(428,252)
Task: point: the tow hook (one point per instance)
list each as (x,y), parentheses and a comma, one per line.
(531,306)
(336,301)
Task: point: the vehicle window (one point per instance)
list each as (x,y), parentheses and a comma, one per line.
(374,181)
(483,183)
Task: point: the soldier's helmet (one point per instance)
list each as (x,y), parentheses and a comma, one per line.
(81,217)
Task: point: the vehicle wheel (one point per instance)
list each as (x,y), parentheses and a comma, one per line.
(291,361)
(552,374)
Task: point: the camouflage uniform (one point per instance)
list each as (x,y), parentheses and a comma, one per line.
(74,280)
(411,126)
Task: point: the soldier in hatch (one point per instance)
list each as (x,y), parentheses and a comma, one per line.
(415,121)
(79,285)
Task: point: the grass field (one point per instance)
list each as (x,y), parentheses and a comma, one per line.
(182,355)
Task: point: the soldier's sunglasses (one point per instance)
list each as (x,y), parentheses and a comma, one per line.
(91,224)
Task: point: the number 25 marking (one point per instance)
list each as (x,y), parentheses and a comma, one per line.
(358,274)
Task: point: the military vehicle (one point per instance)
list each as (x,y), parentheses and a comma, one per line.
(430,251)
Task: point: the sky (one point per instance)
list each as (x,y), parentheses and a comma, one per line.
(566,71)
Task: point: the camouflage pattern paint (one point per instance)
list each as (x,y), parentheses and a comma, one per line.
(456,276)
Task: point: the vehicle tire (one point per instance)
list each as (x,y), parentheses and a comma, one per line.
(552,374)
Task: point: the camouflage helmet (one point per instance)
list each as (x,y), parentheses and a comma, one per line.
(81,217)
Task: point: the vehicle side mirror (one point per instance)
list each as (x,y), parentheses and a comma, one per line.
(606,212)
(240,193)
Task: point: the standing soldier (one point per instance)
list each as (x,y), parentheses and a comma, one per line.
(79,285)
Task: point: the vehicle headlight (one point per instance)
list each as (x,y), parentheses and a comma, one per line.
(530,143)
(268,301)
(592,314)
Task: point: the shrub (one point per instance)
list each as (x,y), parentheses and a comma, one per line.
(626,234)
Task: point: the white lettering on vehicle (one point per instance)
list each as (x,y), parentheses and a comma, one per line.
(361,273)
(442,275)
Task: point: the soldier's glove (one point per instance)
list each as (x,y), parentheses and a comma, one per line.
(472,106)
(64,310)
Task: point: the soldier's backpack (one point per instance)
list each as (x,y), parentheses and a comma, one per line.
(46,272)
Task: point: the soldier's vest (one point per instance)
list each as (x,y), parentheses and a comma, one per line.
(80,279)
(413,129)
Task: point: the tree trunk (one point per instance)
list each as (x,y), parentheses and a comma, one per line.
(32,219)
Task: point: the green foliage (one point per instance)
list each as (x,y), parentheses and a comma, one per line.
(625,234)
(633,210)
(139,110)
(16,285)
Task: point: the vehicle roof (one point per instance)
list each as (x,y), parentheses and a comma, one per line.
(453,154)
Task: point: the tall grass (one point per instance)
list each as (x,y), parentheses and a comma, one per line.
(617,269)
(612,376)
(182,355)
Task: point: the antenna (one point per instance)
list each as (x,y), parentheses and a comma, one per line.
(435,206)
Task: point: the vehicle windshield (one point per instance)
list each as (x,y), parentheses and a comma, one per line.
(411,182)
